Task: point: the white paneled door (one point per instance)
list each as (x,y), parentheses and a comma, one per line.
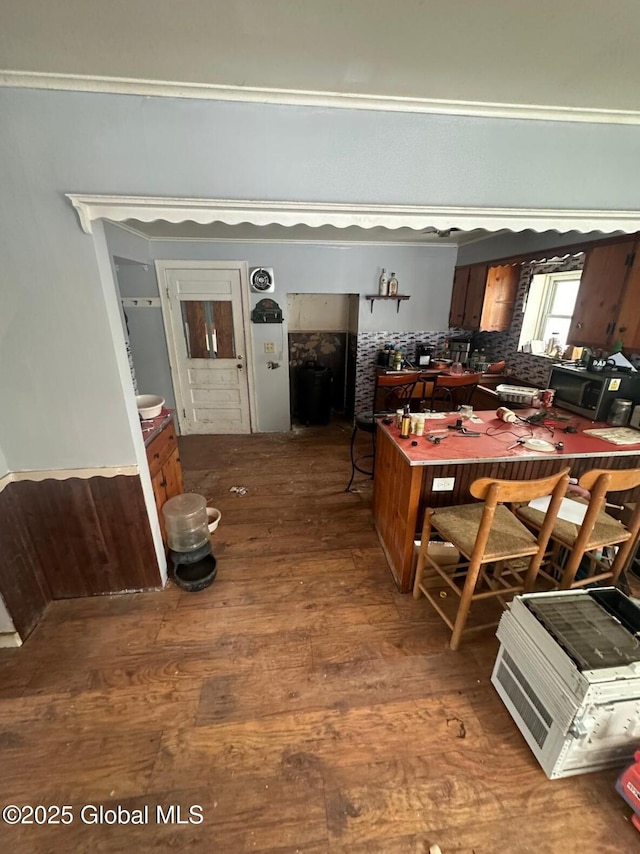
(204,309)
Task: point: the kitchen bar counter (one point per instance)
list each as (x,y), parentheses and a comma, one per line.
(410,478)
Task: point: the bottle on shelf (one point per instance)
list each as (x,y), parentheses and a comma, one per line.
(393,285)
(383,284)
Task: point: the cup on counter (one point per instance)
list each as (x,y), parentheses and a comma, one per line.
(465,412)
(456,369)
(419,425)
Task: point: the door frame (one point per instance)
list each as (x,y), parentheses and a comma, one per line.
(162,268)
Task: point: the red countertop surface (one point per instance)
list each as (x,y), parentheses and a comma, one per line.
(153,426)
(497,437)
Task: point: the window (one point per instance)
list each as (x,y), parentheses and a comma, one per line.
(547,318)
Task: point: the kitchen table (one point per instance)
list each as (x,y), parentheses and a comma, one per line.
(408,478)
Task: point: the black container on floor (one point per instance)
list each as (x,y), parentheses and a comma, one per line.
(313,386)
(194,570)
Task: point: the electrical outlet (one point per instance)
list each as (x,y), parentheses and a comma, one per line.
(443,484)
(269,347)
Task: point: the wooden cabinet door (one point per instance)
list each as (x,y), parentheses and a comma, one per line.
(172,472)
(160,495)
(499,298)
(601,286)
(627,327)
(458,296)
(475,296)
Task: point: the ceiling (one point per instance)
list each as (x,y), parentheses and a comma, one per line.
(163,230)
(548,59)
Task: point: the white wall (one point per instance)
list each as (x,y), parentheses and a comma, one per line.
(56,347)
(424,272)
(145,327)
(318,312)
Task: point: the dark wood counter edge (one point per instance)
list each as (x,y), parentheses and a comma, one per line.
(166,415)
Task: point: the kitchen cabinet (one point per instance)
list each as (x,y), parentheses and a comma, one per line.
(608,299)
(165,469)
(483,297)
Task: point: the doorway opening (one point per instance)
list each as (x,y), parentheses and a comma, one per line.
(322,336)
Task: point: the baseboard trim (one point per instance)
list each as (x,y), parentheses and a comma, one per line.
(10,640)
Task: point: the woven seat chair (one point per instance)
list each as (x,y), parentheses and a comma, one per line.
(450,391)
(397,390)
(501,555)
(571,542)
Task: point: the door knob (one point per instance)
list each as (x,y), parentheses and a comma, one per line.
(239,367)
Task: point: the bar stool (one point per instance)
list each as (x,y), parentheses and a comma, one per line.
(451,391)
(398,391)
(571,542)
(491,539)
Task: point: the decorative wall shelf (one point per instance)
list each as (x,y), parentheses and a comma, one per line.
(397,297)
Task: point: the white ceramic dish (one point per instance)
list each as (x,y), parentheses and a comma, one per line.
(214,517)
(149,405)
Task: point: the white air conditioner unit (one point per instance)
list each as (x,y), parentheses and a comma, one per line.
(261,280)
(568,671)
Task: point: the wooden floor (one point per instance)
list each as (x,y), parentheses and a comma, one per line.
(301,701)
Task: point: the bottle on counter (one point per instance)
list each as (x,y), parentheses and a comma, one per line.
(405,427)
(397,360)
(506,414)
(383,284)
(393,285)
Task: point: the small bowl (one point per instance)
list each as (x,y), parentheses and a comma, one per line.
(214,517)
(149,405)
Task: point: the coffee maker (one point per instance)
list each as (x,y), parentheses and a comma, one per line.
(459,350)
(424,354)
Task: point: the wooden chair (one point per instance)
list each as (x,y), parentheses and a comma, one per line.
(571,542)
(397,392)
(491,539)
(451,391)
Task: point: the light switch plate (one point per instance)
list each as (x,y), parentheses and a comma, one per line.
(443,484)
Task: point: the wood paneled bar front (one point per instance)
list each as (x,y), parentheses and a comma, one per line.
(409,477)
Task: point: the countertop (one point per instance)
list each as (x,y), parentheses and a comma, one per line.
(497,437)
(151,428)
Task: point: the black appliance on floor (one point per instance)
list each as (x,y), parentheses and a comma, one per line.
(313,393)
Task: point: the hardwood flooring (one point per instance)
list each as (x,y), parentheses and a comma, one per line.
(301,701)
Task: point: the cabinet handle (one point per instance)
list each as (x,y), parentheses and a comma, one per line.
(163,483)
(156,456)
(578,325)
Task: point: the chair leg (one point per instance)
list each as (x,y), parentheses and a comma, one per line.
(422,554)
(353,460)
(571,568)
(465,602)
(621,559)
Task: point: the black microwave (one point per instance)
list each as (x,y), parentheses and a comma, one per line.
(591,394)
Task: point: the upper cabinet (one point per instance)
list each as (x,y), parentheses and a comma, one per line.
(608,303)
(483,297)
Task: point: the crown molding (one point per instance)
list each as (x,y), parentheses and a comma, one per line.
(258,212)
(310,98)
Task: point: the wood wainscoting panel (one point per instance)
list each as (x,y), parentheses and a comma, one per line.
(23,586)
(91,536)
(396,496)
